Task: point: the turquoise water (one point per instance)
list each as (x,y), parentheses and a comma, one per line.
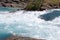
(27,23)
(4,36)
(7,9)
(4,33)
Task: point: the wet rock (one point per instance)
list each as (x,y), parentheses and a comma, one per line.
(17,1)
(2,0)
(3,4)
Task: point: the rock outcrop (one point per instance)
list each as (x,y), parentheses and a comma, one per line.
(13,3)
(51,4)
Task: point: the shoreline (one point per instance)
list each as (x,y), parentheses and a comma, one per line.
(29,5)
(23,38)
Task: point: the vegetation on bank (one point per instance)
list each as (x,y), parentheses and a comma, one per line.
(38,4)
(34,5)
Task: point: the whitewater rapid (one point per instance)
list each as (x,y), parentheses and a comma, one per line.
(28,24)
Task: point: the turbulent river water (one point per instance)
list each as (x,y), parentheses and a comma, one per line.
(30,24)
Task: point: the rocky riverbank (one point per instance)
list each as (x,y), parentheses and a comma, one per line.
(13,3)
(31,4)
(22,38)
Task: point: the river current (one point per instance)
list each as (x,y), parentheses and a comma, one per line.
(29,24)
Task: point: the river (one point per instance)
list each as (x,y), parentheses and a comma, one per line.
(29,24)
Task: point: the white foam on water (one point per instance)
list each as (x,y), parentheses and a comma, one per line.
(28,24)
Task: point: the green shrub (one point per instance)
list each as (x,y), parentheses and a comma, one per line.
(34,5)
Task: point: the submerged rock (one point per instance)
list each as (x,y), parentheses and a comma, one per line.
(50,16)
